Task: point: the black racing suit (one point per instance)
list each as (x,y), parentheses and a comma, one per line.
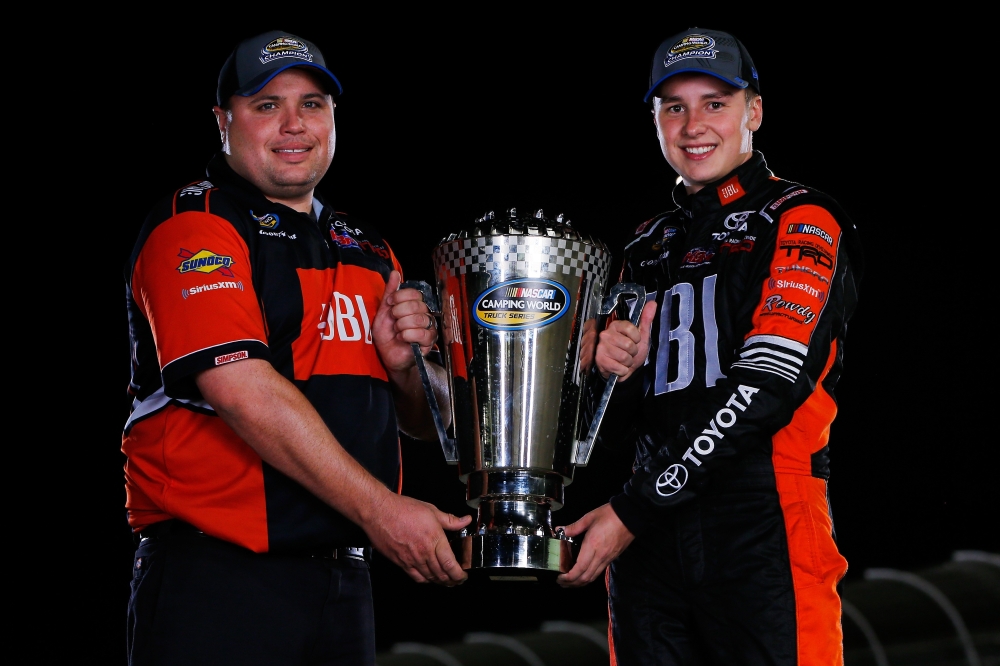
(754,279)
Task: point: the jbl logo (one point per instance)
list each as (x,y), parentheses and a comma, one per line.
(341,320)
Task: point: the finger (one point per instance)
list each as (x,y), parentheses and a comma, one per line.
(406,308)
(625,328)
(420,321)
(390,290)
(579,527)
(438,574)
(646,323)
(407,294)
(415,575)
(421,336)
(572,577)
(450,565)
(452,522)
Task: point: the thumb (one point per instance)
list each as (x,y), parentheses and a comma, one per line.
(452,522)
(391,286)
(646,324)
(579,527)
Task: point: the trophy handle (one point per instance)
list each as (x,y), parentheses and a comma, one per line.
(448,445)
(586,445)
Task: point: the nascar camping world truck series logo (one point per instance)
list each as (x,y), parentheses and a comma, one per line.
(520,304)
(284,47)
(691,46)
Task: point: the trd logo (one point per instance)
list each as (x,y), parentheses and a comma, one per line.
(819,258)
(339,322)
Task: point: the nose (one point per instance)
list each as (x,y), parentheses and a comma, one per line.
(292,121)
(693,125)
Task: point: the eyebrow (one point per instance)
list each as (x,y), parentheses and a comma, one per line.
(712,95)
(278,98)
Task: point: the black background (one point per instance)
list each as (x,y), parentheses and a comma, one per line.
(446,115)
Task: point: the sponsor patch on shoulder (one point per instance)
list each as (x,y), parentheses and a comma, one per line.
(205,261)
(229,358)
(785,198)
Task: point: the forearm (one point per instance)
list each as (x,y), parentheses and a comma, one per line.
(271,415)
(412,411)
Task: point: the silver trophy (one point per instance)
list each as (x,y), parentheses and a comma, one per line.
(519,298)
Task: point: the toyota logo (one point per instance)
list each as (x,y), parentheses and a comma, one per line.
(672,480)
(736,219)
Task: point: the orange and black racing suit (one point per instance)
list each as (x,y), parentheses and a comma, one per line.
(734,560)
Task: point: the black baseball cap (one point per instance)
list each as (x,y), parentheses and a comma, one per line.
(259,59)
(712,52)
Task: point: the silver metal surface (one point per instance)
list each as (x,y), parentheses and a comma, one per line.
(515,556)
(586,445)
(519,299)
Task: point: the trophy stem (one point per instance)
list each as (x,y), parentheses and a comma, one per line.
(513,538)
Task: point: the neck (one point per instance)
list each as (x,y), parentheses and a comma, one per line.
(302,204)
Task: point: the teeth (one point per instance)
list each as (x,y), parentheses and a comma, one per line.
(296,150)
(700,150)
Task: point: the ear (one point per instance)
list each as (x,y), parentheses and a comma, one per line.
(756,114)
(222,119)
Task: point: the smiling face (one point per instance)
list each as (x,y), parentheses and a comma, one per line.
(705,127)
(282,138)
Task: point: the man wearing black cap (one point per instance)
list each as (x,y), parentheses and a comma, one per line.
(272,361)
(721,546)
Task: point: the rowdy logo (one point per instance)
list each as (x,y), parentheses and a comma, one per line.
(205,261)
(776,304)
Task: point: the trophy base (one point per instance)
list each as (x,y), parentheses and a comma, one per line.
(514,556)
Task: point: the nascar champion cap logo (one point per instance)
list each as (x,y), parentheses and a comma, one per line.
(522,303)
(691,46)
(205,261)
(284,47)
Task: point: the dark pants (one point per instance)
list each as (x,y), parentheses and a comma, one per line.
(745,577)
(198,600)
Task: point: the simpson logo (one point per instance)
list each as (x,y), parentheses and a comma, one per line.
(810,229)
(691,46)
(267,220)
(519,304)
(229,358)
(285,47)
(785,198)
(186,293)
(205,261)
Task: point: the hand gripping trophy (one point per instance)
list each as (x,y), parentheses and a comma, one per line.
(519,297)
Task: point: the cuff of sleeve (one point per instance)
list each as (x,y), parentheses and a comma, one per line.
(633,515)
(178,375)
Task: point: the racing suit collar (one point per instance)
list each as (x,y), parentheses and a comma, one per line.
(220,173)
(726,191)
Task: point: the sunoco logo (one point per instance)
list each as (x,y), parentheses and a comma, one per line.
(520,304)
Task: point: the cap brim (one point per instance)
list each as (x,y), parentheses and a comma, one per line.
(256,86)
(652,91)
